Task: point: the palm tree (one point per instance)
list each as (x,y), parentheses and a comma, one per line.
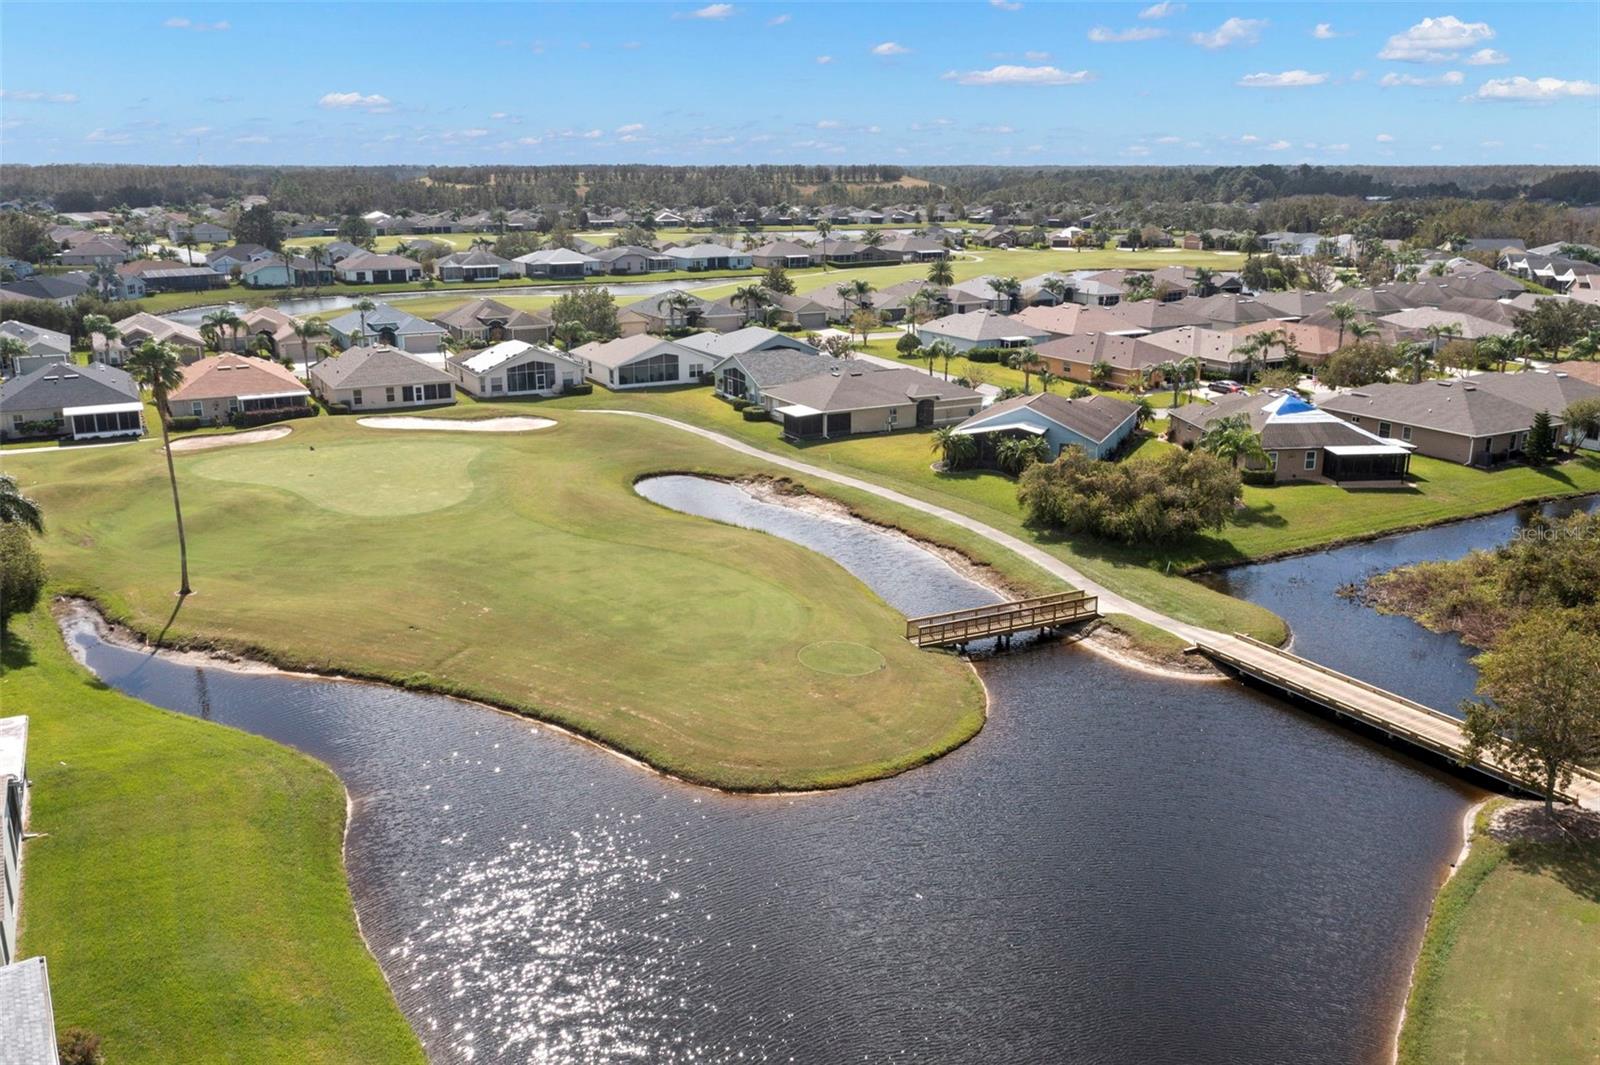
(1346,313)
(939,273)
(1497,348)
(1416,358)
(224,319)
(1100,374)
(307,331)
(99,325)
(916,304)
(364,306)
(1360,331)
(957,449)
(154,366)
(1251,349)
(11,349)
(1204,277)
(16,508)
(1026,360)
(1439,330)
(1046,379)
(1587,346)
(752,298)
(317,254)
(936,350)
(289,255)
(1057,287)
(570,334)
(677,305)
(1013,454)
(1522,347)
(824,227)
(186,241)
(1011,289)
(1232,439)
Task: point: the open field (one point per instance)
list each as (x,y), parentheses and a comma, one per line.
(1020,263)
(187,883)
(1510,965)
(522,569)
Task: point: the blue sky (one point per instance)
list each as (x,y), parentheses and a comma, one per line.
(972,82)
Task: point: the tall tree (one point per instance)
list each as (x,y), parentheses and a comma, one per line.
(16,508)
(1231,439)
(1540,706)
(940,273)
(154,366)
(1345,312)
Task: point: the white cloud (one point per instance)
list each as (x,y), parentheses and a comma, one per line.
(1169,140)
(528,142)
(34,96)
(1006,5)
(198,27)
(710,11)
(1234,31)
(1449,77)
(829,123)
(824,59)
(1289,79)
(1436,40)
(777,20)
(1336,147)
(1249,138)
(347,101)
(1491,144)
(631,127)
(253,138)
(1279,146)
(1036,57)
(1103,35)
(592,134)
(1161,10)
(1136,149)
(1385,138)
(630,45)
(1487,57)
(1324,31)
(107,136)
(1435,147)
(1001,131)
(1014,75)
(196,131)
(889,48)
(1534,90)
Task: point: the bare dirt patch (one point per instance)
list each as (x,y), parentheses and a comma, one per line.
(252,436)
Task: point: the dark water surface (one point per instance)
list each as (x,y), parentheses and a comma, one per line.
(1119,868)
(1388,650)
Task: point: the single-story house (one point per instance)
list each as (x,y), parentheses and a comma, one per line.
(102,251)
(643,360)
(980,329)
(135,329)
(1069,319)
(746,375)
(386,324)
(164,275)
(44,346)
(368,268)
(854,397)
(1098,424)
(1302,442)
(219,386)
(750,338)
(185,232)
(659,313)
(558,262)
(631,259)
(58,289)
(788,254)
(268,273)
(479,264)
(1416,320)
(1071,236)
(709,257)
(1226,310)
(515,368)
(223,260)
(800,311)
(911,248)
(1475,421)
(273,326)
(1131,359)
(486,321)
(91,402)
(1215,348)
(379,377)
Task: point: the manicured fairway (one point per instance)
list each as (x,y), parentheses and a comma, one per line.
(186,881)
(524,569)
(1510,965)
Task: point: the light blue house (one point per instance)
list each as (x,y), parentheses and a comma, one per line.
(1098,423)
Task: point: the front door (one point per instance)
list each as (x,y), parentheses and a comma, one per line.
(924,413)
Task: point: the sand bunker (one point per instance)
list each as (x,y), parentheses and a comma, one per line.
(459,425)
(253,436)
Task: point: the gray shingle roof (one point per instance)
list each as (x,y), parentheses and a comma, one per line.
(859,386)
(375,367)
(1093,417)
(776,366)
(30,1024)
(1485,405)
(64,385)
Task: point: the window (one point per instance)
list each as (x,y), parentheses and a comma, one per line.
(197,409)
(894,416)
(497,385)
(355,398)
(388,394)
(1272,460)
(1385,429)
(1405,432)
(654,370)
(530,377)
(1311,460)
(1355,419)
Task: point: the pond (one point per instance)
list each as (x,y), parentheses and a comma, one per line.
(1119,867)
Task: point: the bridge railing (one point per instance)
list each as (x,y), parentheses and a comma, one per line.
(960,626)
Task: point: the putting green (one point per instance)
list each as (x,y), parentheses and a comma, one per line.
(370,480)
(841,658)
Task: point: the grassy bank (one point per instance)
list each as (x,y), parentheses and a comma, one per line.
(522,569)
(1510,964)
(187,884)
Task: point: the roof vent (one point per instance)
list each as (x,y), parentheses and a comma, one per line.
(1469,388)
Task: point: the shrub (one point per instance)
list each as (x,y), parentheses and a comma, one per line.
(907,344)
(1151,501)
(187,423)
(756,413)
(21,572)
(249,419)
(983,354)
(582,388)
(739,402)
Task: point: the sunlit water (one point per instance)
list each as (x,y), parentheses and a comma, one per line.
(1119,868)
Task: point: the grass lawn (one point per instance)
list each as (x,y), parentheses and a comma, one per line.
(522,569)
(187,883)
(1510,965)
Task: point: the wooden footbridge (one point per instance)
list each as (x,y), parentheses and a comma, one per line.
(1000,620)
(1394,715)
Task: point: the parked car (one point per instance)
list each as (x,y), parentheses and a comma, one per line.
(1226,387)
